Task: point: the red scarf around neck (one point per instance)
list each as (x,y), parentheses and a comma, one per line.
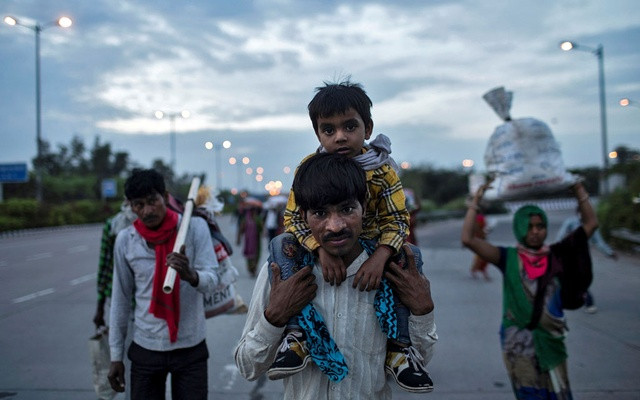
(163,305)
(534,261)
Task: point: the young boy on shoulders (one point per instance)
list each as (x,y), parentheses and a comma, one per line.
(341,118)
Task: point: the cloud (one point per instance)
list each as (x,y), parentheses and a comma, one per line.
(250,69)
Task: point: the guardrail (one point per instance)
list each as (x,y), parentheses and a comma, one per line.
(628,236)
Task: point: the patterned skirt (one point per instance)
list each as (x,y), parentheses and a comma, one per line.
(529,382)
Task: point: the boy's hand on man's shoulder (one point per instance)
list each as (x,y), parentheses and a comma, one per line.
(412,288)
(370,273)
(334,271)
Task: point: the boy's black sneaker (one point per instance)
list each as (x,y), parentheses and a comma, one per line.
(292,356)
(406,366)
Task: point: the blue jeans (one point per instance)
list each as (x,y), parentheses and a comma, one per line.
(188,369)
(290,256)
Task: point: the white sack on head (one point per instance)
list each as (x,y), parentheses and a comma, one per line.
(524,157)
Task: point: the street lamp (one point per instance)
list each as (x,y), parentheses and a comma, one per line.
(216,148)
(172,131)
(599,53)
(628,102)
(63,22)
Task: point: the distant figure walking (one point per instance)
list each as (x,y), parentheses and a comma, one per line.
(110,230)
(480,230)
(250,228)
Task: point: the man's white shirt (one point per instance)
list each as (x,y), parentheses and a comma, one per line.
(351,320)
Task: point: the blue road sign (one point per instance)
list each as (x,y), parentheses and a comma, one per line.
(109,188)
(14,172)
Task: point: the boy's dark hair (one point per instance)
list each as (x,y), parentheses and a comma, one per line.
(337,98)
(326,179)
(142,183)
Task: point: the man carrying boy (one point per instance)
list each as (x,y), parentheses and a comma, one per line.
(331,191)
(341,117)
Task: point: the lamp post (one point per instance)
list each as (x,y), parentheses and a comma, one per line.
(63,22)
(172,131)
(216,148)
(599,53)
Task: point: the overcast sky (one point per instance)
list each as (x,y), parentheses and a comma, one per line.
(246,71)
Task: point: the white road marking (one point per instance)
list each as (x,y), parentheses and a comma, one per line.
(82,279)
(233,370)
(78,249)
(40,256)
(33,296)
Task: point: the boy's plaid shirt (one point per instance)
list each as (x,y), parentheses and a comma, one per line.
(386,217)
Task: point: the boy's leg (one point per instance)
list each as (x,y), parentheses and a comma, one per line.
(292,356)
(285,251)
(403,361)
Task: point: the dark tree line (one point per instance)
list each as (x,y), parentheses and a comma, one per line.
(75,172)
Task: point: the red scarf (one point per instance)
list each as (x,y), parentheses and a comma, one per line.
(163,305)
(534,261)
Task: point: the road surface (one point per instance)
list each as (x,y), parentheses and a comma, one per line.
(47,301)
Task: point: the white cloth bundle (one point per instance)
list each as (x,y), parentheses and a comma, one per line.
(522,155)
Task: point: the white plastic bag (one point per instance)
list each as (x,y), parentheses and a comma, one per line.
(522,155)
(224,298)
(100,363)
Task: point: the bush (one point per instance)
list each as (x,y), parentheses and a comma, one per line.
(61,189)
(8,223)
(18,214)
(21,208)
(618,210)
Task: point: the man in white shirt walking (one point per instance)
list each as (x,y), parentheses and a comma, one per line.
(169,329)
(330,190)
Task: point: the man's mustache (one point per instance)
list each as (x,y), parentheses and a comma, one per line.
(343,234)
(149,218)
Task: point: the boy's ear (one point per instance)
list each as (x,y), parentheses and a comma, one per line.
(368,131)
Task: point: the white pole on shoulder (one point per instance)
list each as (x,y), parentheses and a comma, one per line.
(170,278)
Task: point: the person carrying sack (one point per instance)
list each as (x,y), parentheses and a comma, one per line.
(539,282)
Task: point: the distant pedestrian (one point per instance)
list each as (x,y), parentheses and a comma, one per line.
(533,323)
(274,218)
(250,229)
(413,207)
(569,225)
(112,226)
(480,230)
(169,330)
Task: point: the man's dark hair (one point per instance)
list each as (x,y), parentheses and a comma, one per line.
(326,179)
(337,98)
(142,183)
